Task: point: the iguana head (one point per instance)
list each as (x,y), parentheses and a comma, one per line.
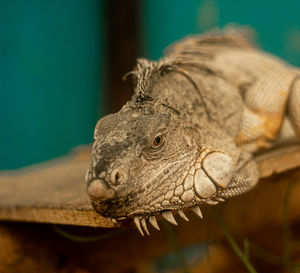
(148,160)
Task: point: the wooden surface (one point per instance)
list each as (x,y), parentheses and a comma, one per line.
(54,192)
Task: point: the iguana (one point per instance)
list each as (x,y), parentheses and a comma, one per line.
(188,134)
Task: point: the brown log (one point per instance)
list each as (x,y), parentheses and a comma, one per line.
(54,192)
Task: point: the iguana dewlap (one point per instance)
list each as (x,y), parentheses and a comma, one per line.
(188,134)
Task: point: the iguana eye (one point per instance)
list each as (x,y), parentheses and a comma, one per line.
(158,140)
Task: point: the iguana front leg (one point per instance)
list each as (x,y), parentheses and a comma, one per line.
(267,102)
(265,107)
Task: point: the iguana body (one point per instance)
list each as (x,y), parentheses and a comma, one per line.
(188,134)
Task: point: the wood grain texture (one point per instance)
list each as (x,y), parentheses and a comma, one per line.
(54,192)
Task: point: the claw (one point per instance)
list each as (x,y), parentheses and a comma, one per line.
(114,220)
(212,202)
(153,222)
(182,215)
(169,217)
(197,211)
(144,225)
(137,222)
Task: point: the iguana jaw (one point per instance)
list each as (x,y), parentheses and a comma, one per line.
(200,182)
(140,217)
(141,221)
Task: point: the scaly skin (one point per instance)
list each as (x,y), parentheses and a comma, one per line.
(188,134)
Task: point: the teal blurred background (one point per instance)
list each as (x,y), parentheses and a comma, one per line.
(51,61)
(54,55)
(276,24)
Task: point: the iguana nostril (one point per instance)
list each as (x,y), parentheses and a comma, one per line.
(97,189)
(117,177)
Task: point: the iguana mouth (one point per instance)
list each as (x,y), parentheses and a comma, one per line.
(140,218)
(141,221)
(208,174)
(203,182)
